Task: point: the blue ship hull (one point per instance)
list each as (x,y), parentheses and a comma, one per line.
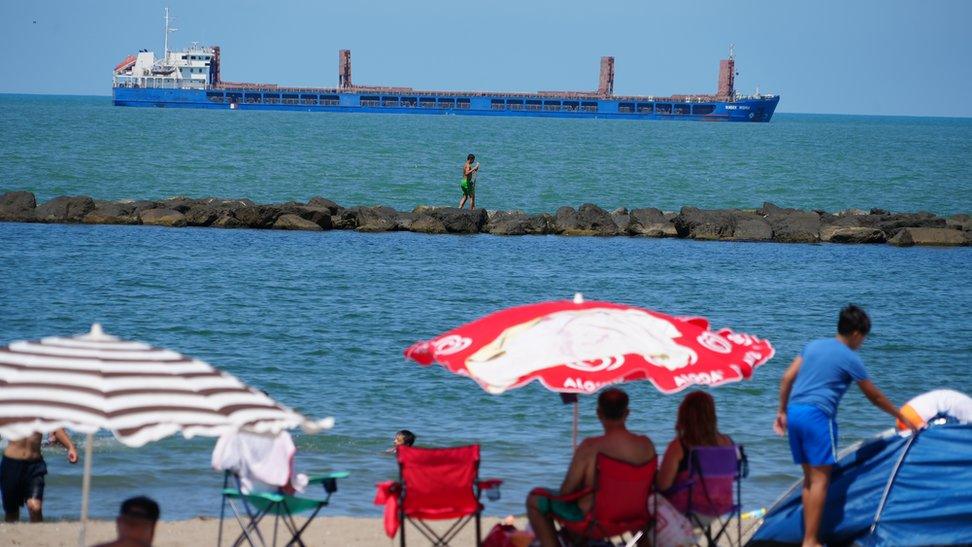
(389,102)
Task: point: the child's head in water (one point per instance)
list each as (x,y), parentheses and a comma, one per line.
(404,437)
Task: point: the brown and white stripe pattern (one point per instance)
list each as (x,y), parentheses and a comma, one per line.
(138,392)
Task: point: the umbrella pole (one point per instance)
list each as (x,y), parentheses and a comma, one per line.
(576,420)
(85,487)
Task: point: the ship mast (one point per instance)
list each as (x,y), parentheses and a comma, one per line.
(165,42)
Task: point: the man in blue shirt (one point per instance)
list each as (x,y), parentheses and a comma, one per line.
(810,391)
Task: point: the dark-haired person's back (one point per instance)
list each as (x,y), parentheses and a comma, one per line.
(135,523)
(616,442)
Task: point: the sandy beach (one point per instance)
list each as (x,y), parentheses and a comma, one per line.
(203,531)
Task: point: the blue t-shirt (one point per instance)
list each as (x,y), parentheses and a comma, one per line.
(828,368)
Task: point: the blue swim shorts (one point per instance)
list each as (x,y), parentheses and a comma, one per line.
(813,435)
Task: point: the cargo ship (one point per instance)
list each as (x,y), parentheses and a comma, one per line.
(191,78)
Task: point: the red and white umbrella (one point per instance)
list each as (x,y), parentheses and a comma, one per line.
(581,347)
(138,392)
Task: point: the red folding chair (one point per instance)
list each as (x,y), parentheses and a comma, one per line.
(621,492)
(441,484)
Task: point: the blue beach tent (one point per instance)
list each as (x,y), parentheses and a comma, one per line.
(891,490)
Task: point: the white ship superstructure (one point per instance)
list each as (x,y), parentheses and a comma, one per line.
(186,69)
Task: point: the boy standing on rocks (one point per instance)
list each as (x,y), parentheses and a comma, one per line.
(810,391)
(468,184)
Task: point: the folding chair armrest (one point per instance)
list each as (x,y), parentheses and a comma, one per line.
(573,496)
(677,487)
(317,479)
(487,484)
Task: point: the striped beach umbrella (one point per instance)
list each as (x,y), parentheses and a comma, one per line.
(138,392)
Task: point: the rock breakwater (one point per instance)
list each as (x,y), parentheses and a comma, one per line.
(767,223)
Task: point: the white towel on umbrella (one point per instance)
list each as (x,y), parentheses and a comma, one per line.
(264,463)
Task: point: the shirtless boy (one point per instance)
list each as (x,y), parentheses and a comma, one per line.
(22,473)
(617,442)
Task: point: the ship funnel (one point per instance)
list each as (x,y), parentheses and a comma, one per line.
(605,84)
(344,68)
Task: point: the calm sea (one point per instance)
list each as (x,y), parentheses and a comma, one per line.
(319,320)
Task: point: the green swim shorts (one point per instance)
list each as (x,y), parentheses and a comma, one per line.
(566,510)
(468,188)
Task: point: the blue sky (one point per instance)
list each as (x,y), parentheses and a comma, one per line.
(859,57)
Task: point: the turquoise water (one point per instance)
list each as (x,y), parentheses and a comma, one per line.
(83,145)
(319,320)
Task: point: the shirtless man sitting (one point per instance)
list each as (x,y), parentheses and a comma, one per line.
(617,442)
(22,473)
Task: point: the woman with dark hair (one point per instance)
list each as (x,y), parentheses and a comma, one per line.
(695,426)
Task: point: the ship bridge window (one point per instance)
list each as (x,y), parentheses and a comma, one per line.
(626,107)
(644,108)
(389,101)
(462,102)
(703,109)
(330,100)
(409,102)
(447,103)
(497,104)
(663,108)
(533,104)
(514,104)
(427,102)
(370,100)
(589,106)
(571,105)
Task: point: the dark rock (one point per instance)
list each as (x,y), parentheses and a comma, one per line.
(371,219)
(112,212)
(890,223)
(293,222)
(180,203)
(331,206)
(928,236)
(748,226)
(879,212)
(64,209)
(620,211)
(515,223)
(257,216)
(163,217)
(851,234)
(792,225)
(959,222)
(704,223)
(17,206)
(622,221)
(461,221)
(205,215)
(427,224)
(648,216)
(227,221)
(589,220)
(403,220)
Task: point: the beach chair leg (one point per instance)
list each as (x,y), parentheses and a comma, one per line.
(252,525)
(479,534)
(297,532)
(222,515)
